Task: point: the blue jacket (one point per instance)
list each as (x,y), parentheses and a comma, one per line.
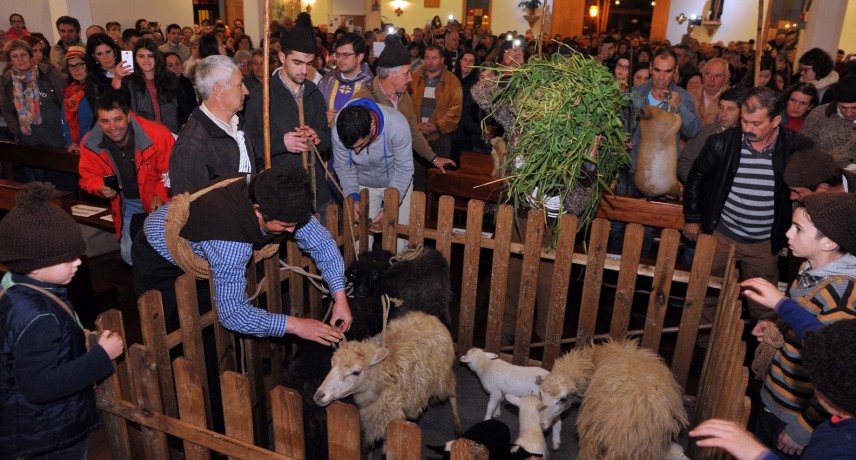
(46,374)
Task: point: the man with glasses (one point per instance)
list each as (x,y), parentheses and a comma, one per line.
(351,73)
(833,126)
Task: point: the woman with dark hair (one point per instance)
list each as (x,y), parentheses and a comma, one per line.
(77,112)
(692,81)
(641,75)
(816,67)
(243,42)
(41,47)
(210,45)
(798,100)
(621,73)
(151,91)
(103,56)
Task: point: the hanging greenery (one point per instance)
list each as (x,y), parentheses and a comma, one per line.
(561,105)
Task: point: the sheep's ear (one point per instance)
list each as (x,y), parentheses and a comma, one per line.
(513,399)
(539,380)
(378,356)
(491,355)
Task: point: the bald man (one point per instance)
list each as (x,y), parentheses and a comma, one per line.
(714,77)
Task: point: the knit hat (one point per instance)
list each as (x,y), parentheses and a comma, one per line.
(282,194)
(75,51)
(394,54)
(845,89)
(300,38)
(834,214)
(37,234)
(810,168)
(829,355)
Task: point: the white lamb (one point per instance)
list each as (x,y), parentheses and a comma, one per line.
(501,378)
(531,437)
(396,382)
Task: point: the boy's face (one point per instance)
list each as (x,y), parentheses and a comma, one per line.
(57,274)
(802,236)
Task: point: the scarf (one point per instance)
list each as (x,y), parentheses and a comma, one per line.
(25,95)
(73,95)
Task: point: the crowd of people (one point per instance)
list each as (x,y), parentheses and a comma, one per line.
(382,106)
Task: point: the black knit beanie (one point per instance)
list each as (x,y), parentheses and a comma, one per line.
(809,168)
(282,194)
(301,38)
(829,356)
(834,214)
(37,234)
(394,54)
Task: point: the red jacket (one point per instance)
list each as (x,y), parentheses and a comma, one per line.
(153,143)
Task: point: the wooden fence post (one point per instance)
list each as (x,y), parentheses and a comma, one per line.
(343,432)
(191,404)
(403,440)
(145,373)
(117,385)
(287,409)
(472,251)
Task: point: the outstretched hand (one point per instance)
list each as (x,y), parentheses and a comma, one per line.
(727,435)
(762,292)
(312,329)
(441,163)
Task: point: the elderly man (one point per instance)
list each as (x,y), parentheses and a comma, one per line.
(69,35)
(437,99)
(451,51)
(833,126)
(736,192)
(812,171)
(213,143)
(714,76)
(389,88)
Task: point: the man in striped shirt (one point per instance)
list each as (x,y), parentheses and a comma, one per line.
(735,191)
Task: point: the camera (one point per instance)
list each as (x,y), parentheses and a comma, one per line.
(695,20)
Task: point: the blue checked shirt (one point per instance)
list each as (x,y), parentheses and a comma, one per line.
(228,261)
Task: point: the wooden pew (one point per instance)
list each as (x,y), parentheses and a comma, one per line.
(9,191)
(12,154)
(471,181)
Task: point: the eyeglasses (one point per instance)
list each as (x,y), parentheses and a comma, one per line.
(343,55)
(16,21)
(798,102)
(77,66)
(622,66)
(806,68)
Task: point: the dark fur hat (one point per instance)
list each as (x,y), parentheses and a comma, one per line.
(829,355)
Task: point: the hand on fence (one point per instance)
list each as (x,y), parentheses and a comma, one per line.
(762,292)
(312,329)
(727,435)
(112,343)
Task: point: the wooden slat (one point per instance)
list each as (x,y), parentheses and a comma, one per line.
(253,367)
(348,229)
(191,336)
(227,359)
(693,303)
(469,283)
(390,220)
(314,294)
(559,290)
(343,432)
(117,385)
(626,288)
(273,297)
(528,286)
(148,398)
(661,287)
(467,449)
(191,404)
(364,220)
(154,337)
(287,412)
(236,400)
(416,228)
(641,211)
(445,218)
(295,280)
(184,430)
(403,440)
(499,279)
(593,279)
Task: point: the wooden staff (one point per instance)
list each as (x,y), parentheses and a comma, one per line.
(308,163)
(763,25)
(541,31)
(266,86)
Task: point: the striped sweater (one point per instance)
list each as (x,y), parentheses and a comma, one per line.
(830,295)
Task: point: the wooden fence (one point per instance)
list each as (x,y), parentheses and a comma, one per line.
(152,398)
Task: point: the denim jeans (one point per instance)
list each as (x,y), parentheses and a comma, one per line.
(131,206)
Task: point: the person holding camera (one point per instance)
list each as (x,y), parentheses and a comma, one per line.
(125,159)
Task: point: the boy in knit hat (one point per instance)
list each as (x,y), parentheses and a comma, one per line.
(822,233)
(46,374)
(829,355)
(813,170)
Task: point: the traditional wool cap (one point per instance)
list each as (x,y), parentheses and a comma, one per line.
(282,194)
(845,89)
(37,234)
(75,51)
(300,38)
(394,54)
(834,214)
(810,168)
(829,355)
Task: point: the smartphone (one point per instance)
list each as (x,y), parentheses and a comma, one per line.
(128,59)
(112,181)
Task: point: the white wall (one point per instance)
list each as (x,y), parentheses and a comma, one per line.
(37,14)
(848,34)
(739,21)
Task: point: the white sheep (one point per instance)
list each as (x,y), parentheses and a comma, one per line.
(396,382)
(565,384)
(530,437)
(501,378)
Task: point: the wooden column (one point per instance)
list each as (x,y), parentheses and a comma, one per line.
(568,17)
(660,20)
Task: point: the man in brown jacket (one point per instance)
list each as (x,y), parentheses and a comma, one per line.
(437,101)
(389,88)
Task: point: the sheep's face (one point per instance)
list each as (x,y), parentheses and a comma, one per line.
(474,355)
(565,385)
(364,273)
(348,372)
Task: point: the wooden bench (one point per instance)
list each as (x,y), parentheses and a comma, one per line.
(471,181)
(12,154)
(9,192)
(663,214)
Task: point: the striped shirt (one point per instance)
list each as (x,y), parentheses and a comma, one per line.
(750,207)
(228,261)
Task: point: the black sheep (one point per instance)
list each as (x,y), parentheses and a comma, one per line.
(492,434)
